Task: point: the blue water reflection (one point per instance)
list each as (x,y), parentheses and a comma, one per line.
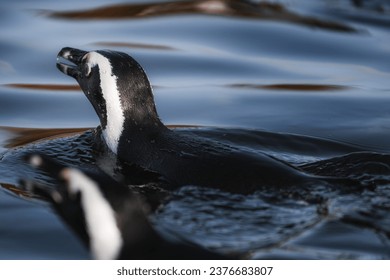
(313,68)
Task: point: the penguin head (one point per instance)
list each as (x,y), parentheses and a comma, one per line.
(117,87)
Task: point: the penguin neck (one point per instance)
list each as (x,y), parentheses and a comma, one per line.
(139,137)
(130,118)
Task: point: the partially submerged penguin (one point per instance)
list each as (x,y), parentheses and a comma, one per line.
(108,217)
(120,92)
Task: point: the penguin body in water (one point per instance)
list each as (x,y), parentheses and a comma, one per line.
(120,92)
(109,218)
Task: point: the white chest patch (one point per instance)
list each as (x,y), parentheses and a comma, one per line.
(105,236)
(108,85)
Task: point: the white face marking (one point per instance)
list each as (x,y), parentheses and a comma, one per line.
(108,85)
(35,160)
(105,237)
(56,197)
(66,54)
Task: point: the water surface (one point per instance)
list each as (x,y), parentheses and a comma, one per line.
(305,81)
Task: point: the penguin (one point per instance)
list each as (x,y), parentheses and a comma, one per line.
(119,90)
(107,216)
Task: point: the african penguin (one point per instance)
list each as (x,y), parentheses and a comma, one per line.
(108,217)
(119,91)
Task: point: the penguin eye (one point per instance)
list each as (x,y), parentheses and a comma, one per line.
(87,70)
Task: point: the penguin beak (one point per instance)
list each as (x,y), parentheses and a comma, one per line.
(69,60)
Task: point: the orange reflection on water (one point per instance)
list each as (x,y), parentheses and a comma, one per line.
(293,87)
(23,136)
(46,86)
(17,190)
(134,46)
(232,8)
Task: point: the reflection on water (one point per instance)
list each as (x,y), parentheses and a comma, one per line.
(378,6)
(45,87)
(23,136)
(305,81)
(299,87)
(231,8)
(134,45)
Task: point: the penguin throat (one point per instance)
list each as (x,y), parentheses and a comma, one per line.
(111,140)
(115,117)
(113,129)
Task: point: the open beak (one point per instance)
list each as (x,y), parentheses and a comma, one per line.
(69,60)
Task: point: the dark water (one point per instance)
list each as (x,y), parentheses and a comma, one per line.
(305,81)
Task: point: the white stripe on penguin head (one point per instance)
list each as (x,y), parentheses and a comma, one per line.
(105,237)
(108,85)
